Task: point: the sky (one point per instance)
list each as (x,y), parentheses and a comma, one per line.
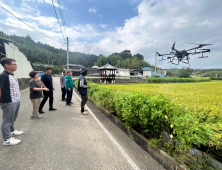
(105,27)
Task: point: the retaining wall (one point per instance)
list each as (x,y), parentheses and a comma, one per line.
(23,82)
(118,80)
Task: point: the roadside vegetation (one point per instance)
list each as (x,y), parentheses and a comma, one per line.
(155,109)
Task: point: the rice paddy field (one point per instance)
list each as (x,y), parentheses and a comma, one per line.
(199,97)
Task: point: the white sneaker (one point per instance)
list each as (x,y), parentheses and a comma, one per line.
(84,113)
(16,133)
(11,141)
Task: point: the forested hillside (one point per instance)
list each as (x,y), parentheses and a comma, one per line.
(187,72)
(39,53)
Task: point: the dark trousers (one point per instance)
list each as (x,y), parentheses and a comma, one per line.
(84,100)
(69,96)
(47,94)
(63,93)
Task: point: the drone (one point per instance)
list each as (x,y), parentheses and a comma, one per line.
(183,55)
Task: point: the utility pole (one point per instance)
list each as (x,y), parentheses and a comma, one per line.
(201,73)
(195,72)
(155,64)
(119,63)
(48,58)
(67,54)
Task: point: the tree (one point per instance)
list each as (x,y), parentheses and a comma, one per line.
(126,54)
(139,56)
(102,60)
(169,73)
(185,72)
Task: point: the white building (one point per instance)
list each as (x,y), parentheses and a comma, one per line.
(11,51)
(1,69)
(118,71)
(122,72)
(149,72)
(95,67)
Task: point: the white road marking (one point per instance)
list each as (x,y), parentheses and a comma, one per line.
(125,155)
(24,90)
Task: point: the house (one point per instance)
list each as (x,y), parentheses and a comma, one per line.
(92,70)
(122,72)
(161,73)
(75,68)
(149,72)
(133,72)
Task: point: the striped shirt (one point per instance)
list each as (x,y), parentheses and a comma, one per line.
(9,88)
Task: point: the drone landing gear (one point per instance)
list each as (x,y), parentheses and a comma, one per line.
(171,61)
(203,56)
(186,62)
(162,59)
(175,63)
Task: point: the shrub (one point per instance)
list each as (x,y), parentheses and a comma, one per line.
(155,114)
(176,80)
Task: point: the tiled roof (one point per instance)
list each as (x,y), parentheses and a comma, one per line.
(148,69)
(107,67)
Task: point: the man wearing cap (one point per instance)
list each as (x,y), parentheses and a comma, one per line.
(82,88)
(46,82)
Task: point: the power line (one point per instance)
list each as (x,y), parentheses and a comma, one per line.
(58,20)
(62,16)
(28,24)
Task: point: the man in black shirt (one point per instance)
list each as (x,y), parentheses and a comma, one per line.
(46,82)
(10,101)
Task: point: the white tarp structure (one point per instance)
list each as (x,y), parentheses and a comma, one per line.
(1,69)
(23,65)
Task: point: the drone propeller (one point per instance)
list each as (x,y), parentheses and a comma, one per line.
(159,54)
(173,46)
(201,45)
(208,49)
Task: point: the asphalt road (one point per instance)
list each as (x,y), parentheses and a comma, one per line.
(65,139)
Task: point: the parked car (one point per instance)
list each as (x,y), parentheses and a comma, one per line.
(94,74)
(140,74)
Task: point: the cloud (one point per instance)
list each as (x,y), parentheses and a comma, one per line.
(204,23)
(103,25)
(158,24)
(47,2)
(92,10)
(135,1)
